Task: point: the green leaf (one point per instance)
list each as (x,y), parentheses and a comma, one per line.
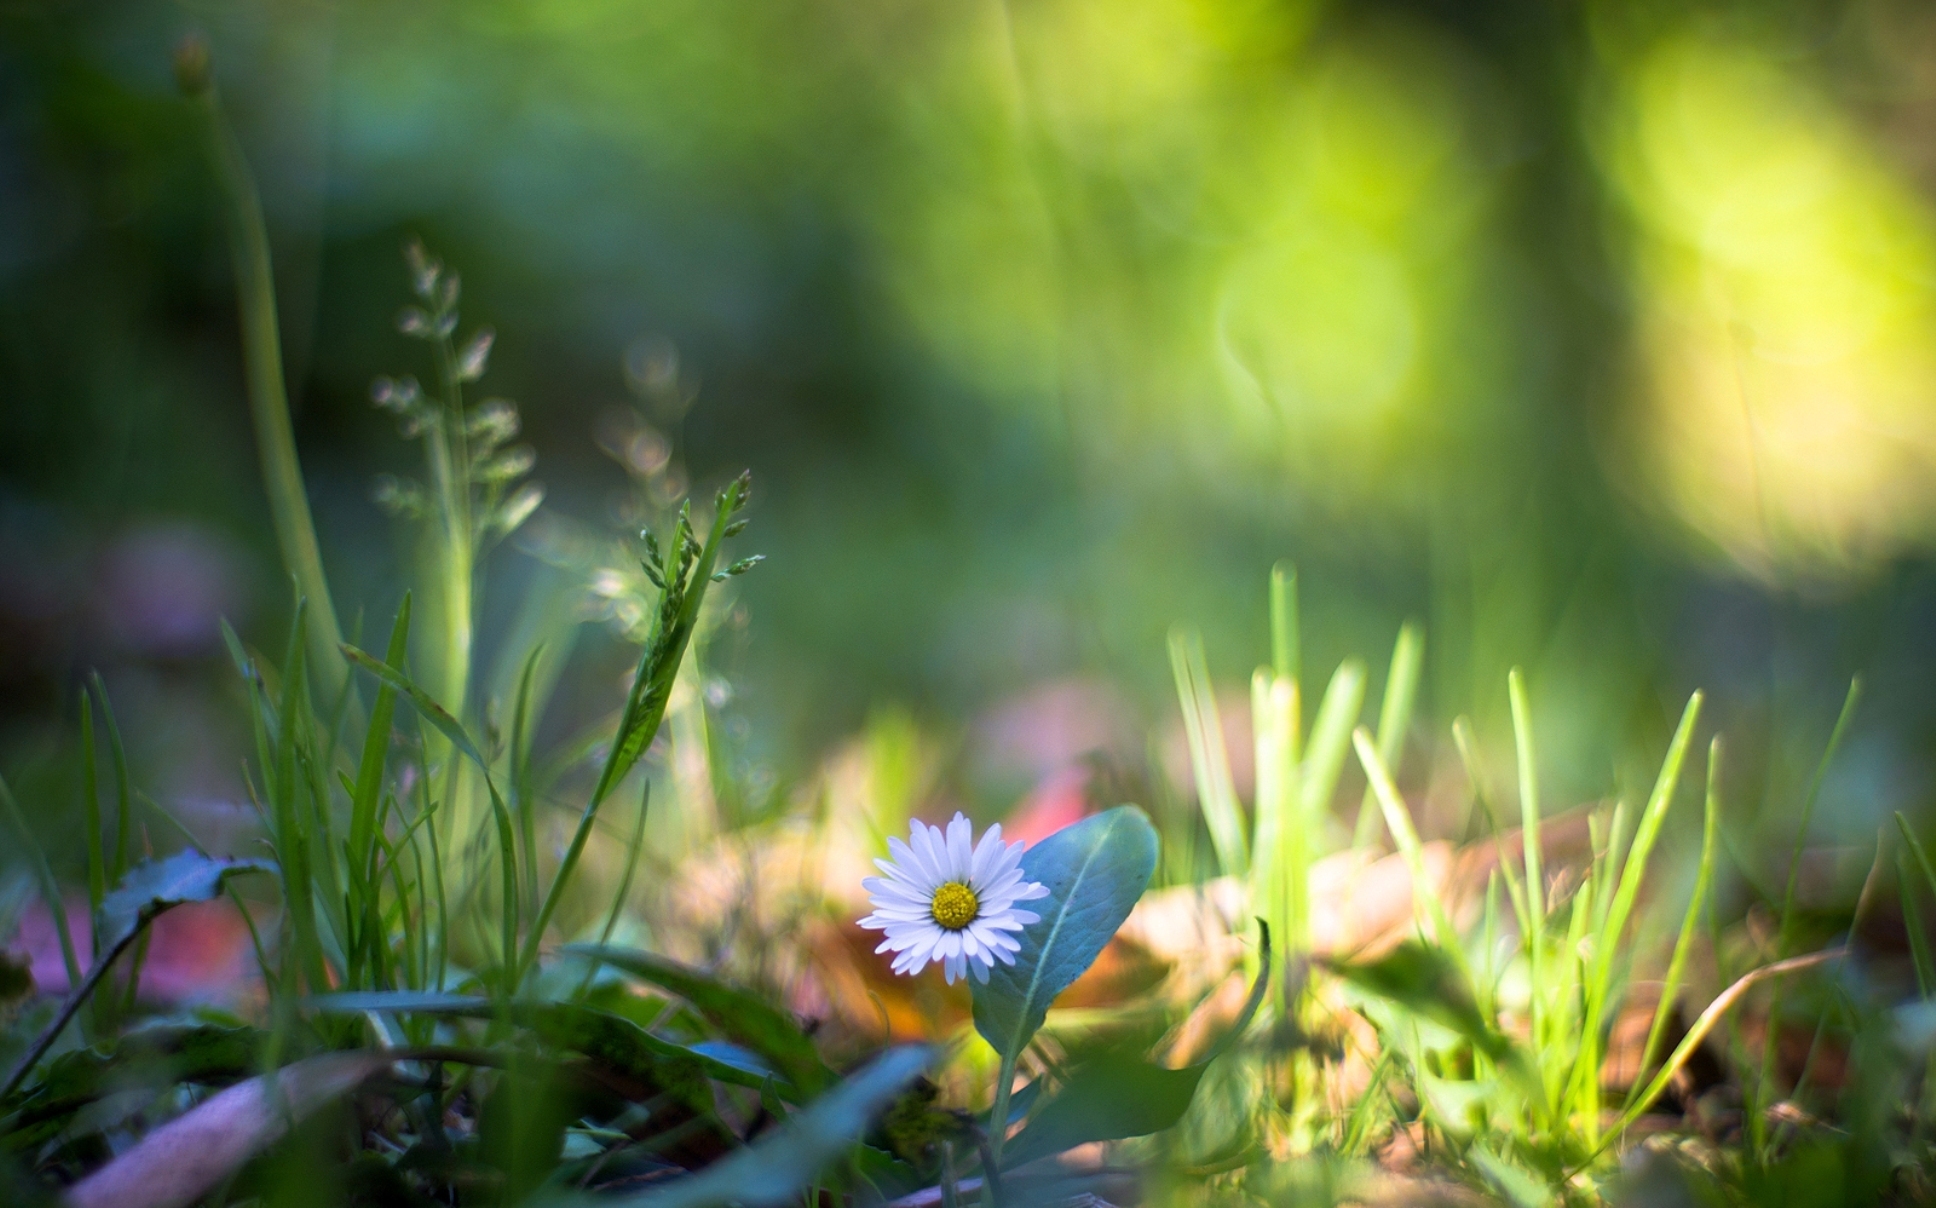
(1095,871)
(743,1017)
(1121,1095)
(773,1171)
(158,885)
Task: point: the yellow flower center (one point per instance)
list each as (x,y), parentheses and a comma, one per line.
(954,906)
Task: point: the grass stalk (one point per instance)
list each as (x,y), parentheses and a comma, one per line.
(262,361)
(1529,841)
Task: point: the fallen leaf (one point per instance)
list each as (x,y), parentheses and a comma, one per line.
(178,1163)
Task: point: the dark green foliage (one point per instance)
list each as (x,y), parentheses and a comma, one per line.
(773,1171)
(744,1017)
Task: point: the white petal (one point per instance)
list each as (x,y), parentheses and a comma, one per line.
(908,864)
(930,850)
(981,971)
(903,878)
(986,852)
(1003,883)
(961,854)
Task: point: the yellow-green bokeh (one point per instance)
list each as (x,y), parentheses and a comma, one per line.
(1784,274)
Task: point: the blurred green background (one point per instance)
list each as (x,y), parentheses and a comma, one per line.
(1600,337)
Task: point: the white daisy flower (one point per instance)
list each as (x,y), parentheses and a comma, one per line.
(945,899)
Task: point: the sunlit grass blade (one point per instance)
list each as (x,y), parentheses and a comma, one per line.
(1394,716)
(686,573)
(1209,757)
(1515,892)
(1529,842)
(1287,654)
(1703,1024)
(1690,922)
(1607,944)
(1398,820)
(1276,838)
(1330,742)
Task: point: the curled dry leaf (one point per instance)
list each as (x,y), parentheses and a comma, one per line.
(178,1163)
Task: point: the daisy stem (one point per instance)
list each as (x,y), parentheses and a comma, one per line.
(998,1125)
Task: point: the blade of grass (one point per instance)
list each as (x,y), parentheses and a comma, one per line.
(1515,893)
(1398,821)
(651,684)
(1916,849)
(291,839)
(1607,942)
(1394,716)
(262,357)
(521,797)
(1529,842)
(1286,641)
(1690,923)
(1695,1035)
(367,794)
(1209,757)
(44,874)
(97,869)
(1324,755)
(1786,931)
(123,793)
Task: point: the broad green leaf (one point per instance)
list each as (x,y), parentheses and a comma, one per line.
(1095,871)
(158,885)
(773,1171)
(743,1017)
(1121,1095)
